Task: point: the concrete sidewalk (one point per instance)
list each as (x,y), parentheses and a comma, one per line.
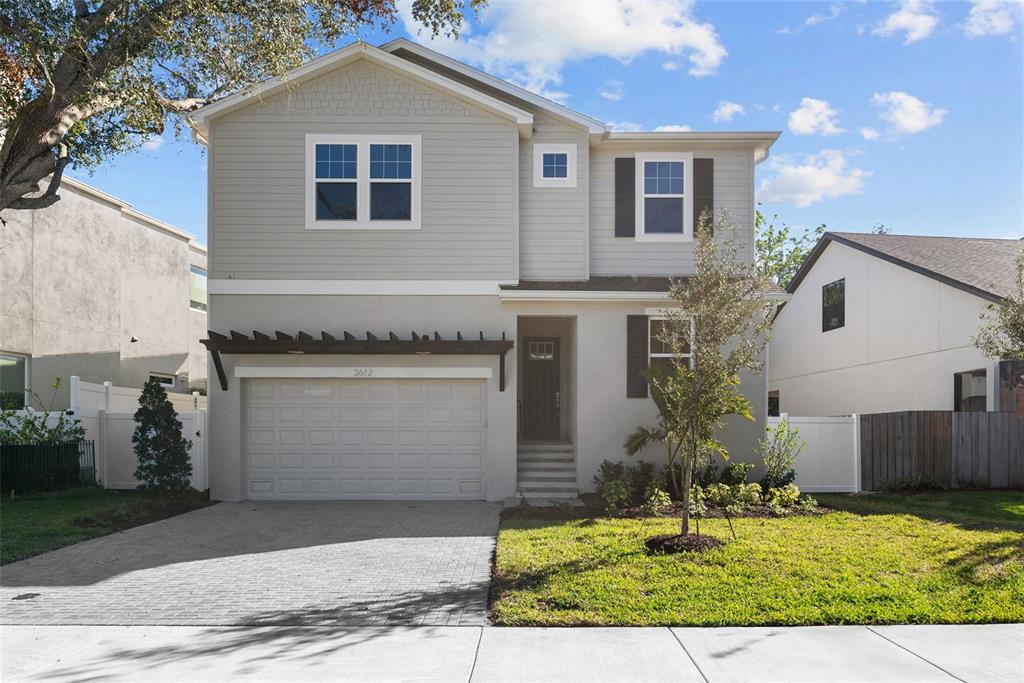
(472,653)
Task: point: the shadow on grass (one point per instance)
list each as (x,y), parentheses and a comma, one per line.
(971,510)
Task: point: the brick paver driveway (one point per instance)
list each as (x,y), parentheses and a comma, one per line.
(358,563)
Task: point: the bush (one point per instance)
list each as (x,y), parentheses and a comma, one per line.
(639,477)
(747,494)
(615,496)
(655,499)
(161,450)
(35,428)
(698,499)
(736,473)
(779,451)
(636,480)
(783,496)
(914,483)
(807,504)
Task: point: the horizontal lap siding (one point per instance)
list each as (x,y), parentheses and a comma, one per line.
(552,220)
(257,222)
(610,255)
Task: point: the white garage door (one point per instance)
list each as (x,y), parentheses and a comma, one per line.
(365,439)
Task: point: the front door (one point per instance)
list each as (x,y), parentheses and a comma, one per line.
(541,400)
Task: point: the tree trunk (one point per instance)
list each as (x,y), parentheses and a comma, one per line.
(687,478)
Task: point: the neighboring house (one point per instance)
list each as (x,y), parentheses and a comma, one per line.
(93,288)
(428,283)
(880,323)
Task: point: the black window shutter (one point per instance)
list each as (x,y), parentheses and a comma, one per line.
(636,356)
(625,197)
(703,191)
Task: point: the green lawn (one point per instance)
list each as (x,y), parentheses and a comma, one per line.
(886,560)
(34,524)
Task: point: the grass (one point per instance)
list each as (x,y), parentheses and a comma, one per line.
(926,558)
(34,524)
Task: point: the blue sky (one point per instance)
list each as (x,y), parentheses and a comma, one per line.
(908,114)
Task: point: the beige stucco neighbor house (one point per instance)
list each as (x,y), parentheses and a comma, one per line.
(428,283)
(91,287)
(882,323)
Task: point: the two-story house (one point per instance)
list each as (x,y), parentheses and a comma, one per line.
(428,283)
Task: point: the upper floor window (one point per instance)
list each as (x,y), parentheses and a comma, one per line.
(833,305)
(554,165)
(363,182)
(165,380)
(197,288)
(664,193)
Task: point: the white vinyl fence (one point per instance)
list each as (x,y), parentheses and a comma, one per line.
(111,430)
(831,461)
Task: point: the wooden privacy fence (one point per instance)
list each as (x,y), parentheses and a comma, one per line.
(968,449)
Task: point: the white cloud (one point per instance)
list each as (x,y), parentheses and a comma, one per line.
(905,113)
(611,90)
(992,17)
(726,110)
(869,133)
(834,10)
(814,116)
(916,18)
(674,128)
(153,143)
(625,126)
(670,66)
(817,177)
(530,42)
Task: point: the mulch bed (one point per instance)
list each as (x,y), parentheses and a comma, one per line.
(139,512)
(675,543)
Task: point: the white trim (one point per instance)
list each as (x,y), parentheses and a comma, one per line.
(591,124)
(687,160)
(650,355)
(200,118)
(357,287)
(361,372)
(363,181)
(558,295)
(540,149)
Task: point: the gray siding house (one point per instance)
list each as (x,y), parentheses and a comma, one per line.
(92,287)
(428,283)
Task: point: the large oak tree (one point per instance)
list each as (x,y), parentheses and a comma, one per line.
(82,80)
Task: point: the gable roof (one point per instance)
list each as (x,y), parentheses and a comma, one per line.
(404,46)
(200,118)
(983,267)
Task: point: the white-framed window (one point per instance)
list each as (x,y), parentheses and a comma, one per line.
(363,182)
(197,299)
(164,379)
(554,165)
(14,380)
(659,352)
(664,196)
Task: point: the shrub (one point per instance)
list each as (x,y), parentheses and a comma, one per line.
(736,473)
(36,428)
(639,477)
(807,504)
(698,499)
(655,499)
(777,510)
(747,494)
(783,496)
(719,494)
(615,496)
(706,475)
(161,450)
(779,451)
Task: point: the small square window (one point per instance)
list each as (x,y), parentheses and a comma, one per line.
(336,201)
(390,201)
(556,165)
(391,162)
(335,162)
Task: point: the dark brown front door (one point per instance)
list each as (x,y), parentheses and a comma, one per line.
(540,388)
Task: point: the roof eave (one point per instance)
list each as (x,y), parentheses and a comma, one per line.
(199,119)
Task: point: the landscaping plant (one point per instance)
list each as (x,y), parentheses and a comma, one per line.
(718,320)
(161,450)
(1001,335)
(779,451)
(33,427)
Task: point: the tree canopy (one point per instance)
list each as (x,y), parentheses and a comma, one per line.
(780,251)
(1001,335)
(83,80)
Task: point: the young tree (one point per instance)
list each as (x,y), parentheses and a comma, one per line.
(161,450)
(1001,335)
(719,317)
(85,79)
(780,253)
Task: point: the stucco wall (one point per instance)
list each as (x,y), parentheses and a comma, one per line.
(80,279)
(601,414)
(904,338)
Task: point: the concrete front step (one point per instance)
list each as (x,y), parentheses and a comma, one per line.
(545,447)
(529,479)
(545,492)
(546,485)
(556,466)
(546,457)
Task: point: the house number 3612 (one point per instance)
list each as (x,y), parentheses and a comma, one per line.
(363,372)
